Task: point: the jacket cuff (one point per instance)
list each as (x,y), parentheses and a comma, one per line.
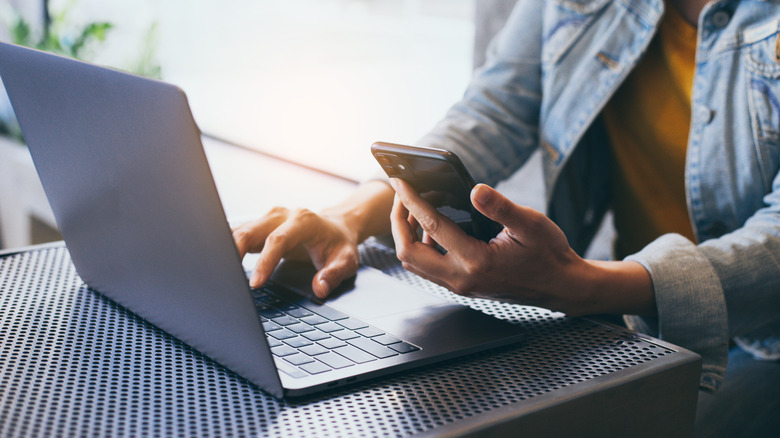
(690,302)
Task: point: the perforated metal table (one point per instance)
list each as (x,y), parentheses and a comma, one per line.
(73,363)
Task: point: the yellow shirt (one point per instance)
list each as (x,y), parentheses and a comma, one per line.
(648,121)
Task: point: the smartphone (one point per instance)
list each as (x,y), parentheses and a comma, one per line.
(441,179)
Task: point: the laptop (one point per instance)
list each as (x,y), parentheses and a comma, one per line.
(121,161)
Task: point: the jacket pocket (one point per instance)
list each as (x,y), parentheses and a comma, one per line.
(762,62)
(565,21)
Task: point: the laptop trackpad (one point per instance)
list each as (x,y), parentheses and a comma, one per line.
(371,294)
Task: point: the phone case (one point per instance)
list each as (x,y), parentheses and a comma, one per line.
(440,178)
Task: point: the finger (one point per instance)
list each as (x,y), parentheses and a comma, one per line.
(413,253)
(439,227)
(428,240)
(521,222)
(247,238)
(414,225)
(401,223)
(299,227)
(339,267)
(250,236)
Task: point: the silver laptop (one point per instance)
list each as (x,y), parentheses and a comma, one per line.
(121,160)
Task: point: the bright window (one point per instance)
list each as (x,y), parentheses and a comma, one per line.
(314,81)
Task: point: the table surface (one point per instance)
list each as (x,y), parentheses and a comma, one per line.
(75,363)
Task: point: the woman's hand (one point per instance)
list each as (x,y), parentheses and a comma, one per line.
(329,239)
(300,234)
(530,262)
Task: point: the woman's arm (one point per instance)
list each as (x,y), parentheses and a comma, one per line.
(530,262)
(330,239)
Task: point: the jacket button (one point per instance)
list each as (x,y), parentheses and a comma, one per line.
(704,114)
(721,18)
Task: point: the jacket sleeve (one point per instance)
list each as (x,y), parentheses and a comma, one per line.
(723,288)
(494,128)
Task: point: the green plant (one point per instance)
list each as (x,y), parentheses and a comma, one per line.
(146,63)
(57,37)
(61,37)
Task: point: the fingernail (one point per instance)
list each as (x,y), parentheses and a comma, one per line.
(324,285)
(482,195)
(254,280)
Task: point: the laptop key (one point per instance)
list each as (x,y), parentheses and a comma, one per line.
(370,332)
(334,360)
(315,335)
(273,342)
(331,343)
(353,324)
(354,354)
(270,326)
(289,369)
(403,347)
(300,327)
(314,319)
(345,334)
(328,313)
(296,311)
(314,349)
(372,347)
(385,339)
(282,334)
(298,359)
(269,312)
(284,320)
(263,297)
(330,327)
(315,367)
(297,342)
(283,350)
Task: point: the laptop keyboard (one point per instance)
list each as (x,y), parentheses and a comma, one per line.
(307,338)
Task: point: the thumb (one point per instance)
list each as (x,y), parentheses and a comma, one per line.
(518,220)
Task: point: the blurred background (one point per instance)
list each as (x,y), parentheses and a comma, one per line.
(313,81)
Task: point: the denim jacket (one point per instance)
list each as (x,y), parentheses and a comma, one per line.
(551,71)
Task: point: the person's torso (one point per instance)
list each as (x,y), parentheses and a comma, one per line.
(647,122)
(734,136)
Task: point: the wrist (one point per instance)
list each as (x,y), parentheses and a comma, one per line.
(618,287)
(366,212)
